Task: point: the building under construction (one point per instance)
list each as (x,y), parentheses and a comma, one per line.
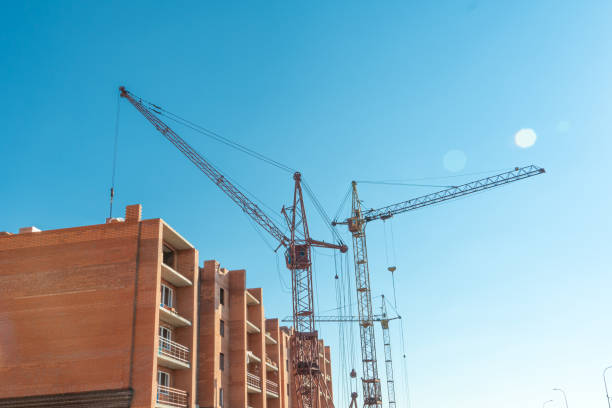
(121,315)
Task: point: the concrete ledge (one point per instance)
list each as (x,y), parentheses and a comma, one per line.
(270,339)
(251,328)
(250,299)
(174,277)
(271,394)
(170,362)
(173,318)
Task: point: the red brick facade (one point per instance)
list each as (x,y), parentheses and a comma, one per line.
(95,313)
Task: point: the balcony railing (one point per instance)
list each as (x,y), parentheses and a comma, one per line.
(171,396)
(254,381)
(272,387)
(174,350)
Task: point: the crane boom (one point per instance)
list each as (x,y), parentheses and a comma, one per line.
(210,171)
(453,192)
(305,346)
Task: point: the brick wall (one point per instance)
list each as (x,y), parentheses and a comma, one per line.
(67,310)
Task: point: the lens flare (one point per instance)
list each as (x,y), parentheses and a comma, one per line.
(525,138)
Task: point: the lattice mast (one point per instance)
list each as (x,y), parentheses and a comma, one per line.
(305,359)
(369,380)
(384,324)
(305,354)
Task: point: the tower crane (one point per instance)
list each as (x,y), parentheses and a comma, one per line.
(307,374)
(356,225)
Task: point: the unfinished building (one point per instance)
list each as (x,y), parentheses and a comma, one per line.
(121,315)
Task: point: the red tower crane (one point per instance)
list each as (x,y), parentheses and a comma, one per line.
(372,394)
(305,353)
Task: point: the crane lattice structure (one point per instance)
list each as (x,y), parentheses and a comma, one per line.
(305,346)
(384,324)
(356,224)
(384,320)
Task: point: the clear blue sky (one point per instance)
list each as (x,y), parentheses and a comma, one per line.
(504,295)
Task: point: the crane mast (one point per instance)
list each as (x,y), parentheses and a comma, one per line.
(369,380)
(305,345)
(356,225)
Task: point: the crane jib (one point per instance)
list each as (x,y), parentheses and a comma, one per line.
(453,192)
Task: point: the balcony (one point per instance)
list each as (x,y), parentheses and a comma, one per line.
(253,383)
(271,365)
(250,299)
(272,389)
(251,328)
(172,355)
(251,357)
(175,239)
(171,317)
(270,339)
(170,397)
(169,274)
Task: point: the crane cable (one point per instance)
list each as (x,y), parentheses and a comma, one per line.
(389,183)
(112,190)
(321,210)
(402,181)
(394,305)
(342,203)
(213,135)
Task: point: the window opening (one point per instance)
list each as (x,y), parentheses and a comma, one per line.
(222,328)
(221,296)
(165,337)
(221,361)
(163,379)
(168,256)
(167,296)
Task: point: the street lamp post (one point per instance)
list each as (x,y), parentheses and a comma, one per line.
(546,402)
(564,396)
(606,385)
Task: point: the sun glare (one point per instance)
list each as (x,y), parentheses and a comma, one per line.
(525,138)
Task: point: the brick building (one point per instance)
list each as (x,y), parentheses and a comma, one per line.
(120,315)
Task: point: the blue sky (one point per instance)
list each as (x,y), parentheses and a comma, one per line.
(504,295)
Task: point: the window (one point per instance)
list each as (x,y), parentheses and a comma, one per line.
(165,336)
(287,363)
(163,379)
(166,296)
(220,397)
(221,296)
(222,328)
(221,361)
(168,255)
